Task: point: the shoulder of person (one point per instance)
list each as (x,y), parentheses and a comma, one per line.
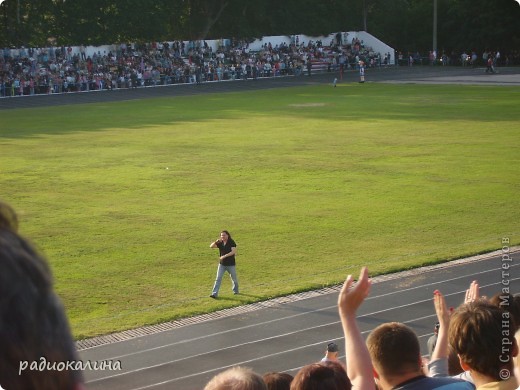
(232,242)
(451,383)
(429,383)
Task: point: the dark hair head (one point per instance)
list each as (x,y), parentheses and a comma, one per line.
(321,376)
(278,380)
(33,323)
(8,218)
(228,234)
(332,347)
(454,367)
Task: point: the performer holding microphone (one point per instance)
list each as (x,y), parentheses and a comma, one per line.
(227,249)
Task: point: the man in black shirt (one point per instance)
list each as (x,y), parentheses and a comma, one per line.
(227,249)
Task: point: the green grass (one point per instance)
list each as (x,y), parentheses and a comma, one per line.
(312,182)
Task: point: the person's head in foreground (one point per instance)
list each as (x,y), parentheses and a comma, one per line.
(395,352)
(8,218)
(33,325)
(236,378)
(278,380)
(482,335)
(321,376)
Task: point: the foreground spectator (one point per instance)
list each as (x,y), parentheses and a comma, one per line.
(321,376)
(278,380)
(483,337)
(392,350)
(8,218)
(33,325)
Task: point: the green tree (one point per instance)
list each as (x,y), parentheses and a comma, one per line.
(404,24)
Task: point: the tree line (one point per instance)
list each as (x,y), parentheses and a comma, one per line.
(406,25)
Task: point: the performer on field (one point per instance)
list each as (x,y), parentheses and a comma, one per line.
(227,250)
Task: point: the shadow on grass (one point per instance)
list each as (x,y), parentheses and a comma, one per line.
(242,298)
(148,107)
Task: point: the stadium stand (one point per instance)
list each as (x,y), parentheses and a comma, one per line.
(33,71)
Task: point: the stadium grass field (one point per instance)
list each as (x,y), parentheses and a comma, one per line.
(124,198)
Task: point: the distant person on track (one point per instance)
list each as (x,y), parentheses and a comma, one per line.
(433,339)
(331,353)
(227,251)
(361,71)
(490,67)
(35,337)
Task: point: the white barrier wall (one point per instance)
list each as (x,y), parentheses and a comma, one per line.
(377,45)
(347,37)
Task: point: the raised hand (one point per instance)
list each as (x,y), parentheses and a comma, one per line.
(351,297)
(472,293)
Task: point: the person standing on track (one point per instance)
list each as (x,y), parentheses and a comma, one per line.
(227,251)
(331,353)
(361,72)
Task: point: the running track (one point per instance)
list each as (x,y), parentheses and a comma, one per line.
(419,74)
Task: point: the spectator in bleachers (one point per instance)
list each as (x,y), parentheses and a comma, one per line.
(482,335)
(392,349)
(477,329)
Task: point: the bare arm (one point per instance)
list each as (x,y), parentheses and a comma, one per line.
(359,365)
(443,316)
(214,244)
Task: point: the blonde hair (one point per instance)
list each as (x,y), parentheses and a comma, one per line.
(236,378)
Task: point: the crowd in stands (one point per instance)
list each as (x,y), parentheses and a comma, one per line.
(30,71)
(476,345)
(466,58)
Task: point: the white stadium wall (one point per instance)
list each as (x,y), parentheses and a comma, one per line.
(366,39)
